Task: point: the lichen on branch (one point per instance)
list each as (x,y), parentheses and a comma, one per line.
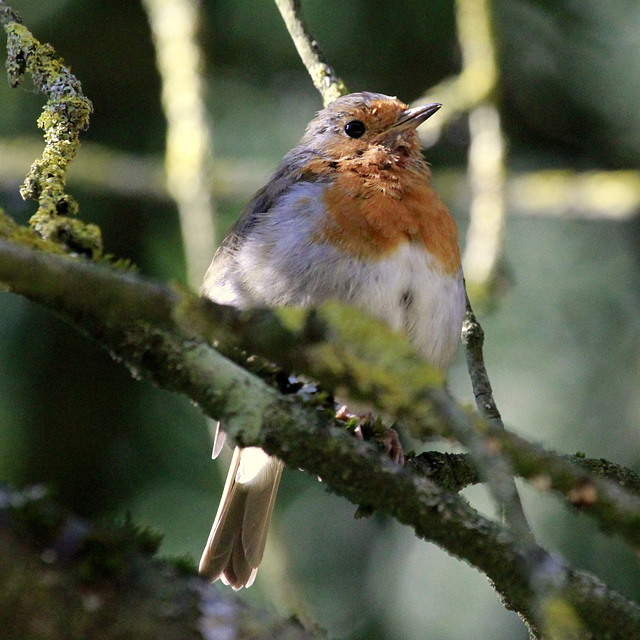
(64,117)
(322,74)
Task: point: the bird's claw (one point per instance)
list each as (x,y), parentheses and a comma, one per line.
(388,438)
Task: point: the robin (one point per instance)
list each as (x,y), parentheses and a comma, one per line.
(349,215)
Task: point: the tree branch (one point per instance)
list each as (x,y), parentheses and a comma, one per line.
(91,295)
(473,340)
(188,156)
(324,77)
(303,436)
(64,578)
(455,471)
(482,259)
(256,415)
(479,75)
(64,117)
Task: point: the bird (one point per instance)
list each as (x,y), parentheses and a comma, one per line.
(349,215)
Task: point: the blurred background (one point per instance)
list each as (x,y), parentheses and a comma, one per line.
(561,315)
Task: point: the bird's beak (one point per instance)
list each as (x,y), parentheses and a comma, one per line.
(413,118)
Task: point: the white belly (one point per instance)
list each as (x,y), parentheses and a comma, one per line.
(410,293)
(281,263)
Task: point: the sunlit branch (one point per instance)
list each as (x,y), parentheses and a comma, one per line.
(486,171)
(189,134)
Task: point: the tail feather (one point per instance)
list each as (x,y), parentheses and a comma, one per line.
(219,438)
(258,509)
(237,540)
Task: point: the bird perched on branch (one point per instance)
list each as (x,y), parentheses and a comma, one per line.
(349,215)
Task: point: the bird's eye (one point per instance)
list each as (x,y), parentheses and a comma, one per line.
(355,129)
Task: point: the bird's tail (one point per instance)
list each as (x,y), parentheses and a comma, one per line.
(236,543)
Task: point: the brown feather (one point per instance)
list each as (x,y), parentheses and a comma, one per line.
(237,540)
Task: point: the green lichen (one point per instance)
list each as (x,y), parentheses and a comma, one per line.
(77,236)
(82,239)
(366,356)
(64,117)
(13,232)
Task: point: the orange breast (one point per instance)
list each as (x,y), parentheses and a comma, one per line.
(371,212)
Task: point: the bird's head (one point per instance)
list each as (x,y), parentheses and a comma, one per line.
(356,123)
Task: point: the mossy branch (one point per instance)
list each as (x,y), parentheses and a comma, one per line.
(455,471)
(93,296)
(64,578)
(324,77)
(64,117)
(306,436)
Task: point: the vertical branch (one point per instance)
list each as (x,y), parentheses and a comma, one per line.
(324,77)
(487,213)
(480,71)
(506,492)
(486,150)
(188,161)
(474,91)
(473,339)
(545,579)
(64,117)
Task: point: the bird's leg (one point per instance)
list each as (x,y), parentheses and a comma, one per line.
(367,427)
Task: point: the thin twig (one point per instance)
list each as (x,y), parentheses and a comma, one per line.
(324,77)
(473,340)
(503,485)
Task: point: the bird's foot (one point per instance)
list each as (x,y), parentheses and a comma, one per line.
(367,427)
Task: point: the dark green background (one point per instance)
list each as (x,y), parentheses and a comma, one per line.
(562,347)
